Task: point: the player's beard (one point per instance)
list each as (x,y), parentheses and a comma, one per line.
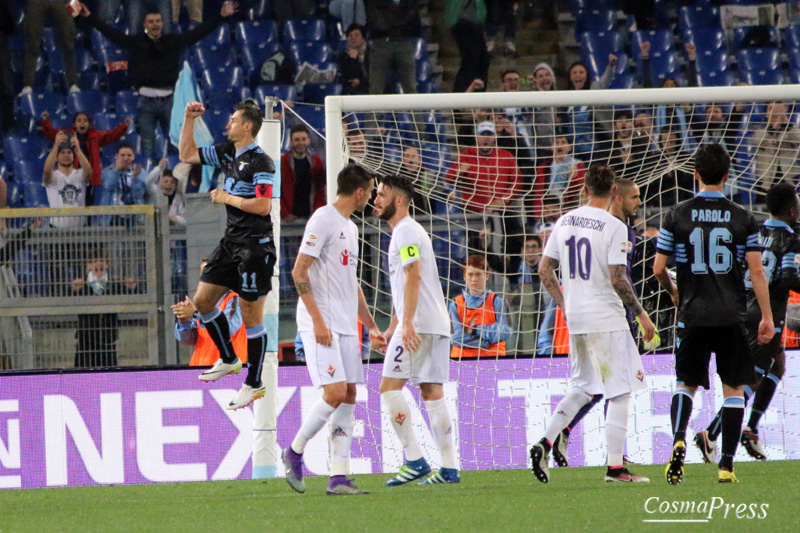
(387,212)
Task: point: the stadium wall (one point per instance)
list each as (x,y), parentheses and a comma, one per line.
(146,426)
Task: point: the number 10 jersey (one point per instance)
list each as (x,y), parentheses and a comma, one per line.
(586,242)
(709,236)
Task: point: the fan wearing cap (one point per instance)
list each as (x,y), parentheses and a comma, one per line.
(66,185)
(485,178)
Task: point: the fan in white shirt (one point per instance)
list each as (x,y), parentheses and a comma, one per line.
(419,349)
(65,184)
(331,300)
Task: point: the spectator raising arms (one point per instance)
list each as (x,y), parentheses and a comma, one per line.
(90,141)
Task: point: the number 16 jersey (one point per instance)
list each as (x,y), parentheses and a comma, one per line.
(586,242)
(709,236)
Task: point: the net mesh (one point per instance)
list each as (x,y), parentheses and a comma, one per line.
(492,181)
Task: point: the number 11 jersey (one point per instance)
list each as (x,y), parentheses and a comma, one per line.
(709,236)
(586,242)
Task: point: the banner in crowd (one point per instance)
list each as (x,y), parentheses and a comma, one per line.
(167,426)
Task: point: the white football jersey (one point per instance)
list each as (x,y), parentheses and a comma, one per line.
(410,242)
(333,241)
(585,242)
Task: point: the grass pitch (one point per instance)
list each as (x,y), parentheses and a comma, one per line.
(505,500)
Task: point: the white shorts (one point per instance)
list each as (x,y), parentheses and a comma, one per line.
(429,364)
(606,363)
(341,361)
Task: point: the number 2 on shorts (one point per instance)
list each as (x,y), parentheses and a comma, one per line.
(399,355)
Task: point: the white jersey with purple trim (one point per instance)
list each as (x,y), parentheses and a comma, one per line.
(410,242)
(333,241)
(586,242)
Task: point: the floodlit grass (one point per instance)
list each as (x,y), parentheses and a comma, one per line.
(506,500)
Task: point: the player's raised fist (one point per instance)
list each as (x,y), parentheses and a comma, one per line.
(194,109)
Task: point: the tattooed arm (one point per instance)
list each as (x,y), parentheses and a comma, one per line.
(547,275)
(622,286)
(302,282)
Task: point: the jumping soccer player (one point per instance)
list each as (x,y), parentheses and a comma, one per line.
(591,245)
(711,238)
(780,258)
(244,261)
(419,348)
(325,274)
(625,202)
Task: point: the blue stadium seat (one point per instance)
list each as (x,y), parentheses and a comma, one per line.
(33,104)
(705,38)
(597,64)
(336,34)
(314,53)
(251,32)
(791,37)
(315,93)
(762,76)
(126,102)
(219,78)
(601,43)
(99,41)
(216,120)
(109,121)
(61,122)
(314,115)
(13,195)
(113,64)
(225,99)
(24,148)
(622,80)
(253,58)
(212,56)
(712,61)
(660,43)
(92,102)
(663,67)
(794,65)
(714,78)
(28,171)
(758,58)
(219,36)
(144,161)
(34,194)
(741,33)
(595,20)
(699,16)
(284,91)
(310,29)
(424,71)
(256,9)
(420,49)
(427,87)
(83,64)
(582,5)
(87,81)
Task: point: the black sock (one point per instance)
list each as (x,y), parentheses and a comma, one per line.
(583,410)
(256,346)
(732,416)
(715,427)
(217,325)
(680,411)
(762,399)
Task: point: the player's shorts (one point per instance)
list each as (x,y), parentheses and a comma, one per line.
(429,364)
(769,357)
(341,361)
(606,363)
(244,268)
(729,343)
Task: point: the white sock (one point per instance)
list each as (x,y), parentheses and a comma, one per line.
(617,428)
(400,415)
(341,435)
(565,411)
(319,413)
(442,429)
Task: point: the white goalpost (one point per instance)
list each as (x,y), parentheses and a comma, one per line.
(493,170)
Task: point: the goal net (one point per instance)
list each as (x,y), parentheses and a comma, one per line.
(493,172)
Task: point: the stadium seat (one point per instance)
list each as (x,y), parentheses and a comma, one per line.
(758,58)
(216,120)
(225,99)
(663,67)
(336,34)
(744,33)
(126,102)
(24,148)
(253,58)
(427,87)
(597,64)
(601,43)
(61,122)
(424,71)
(311,29)
(83,65)
(256,9)
(712,61)
(13,195)
(283,91)
(705,38)
(314,53)
(144,161)
(420,49)
(253,32)
(33,104)
(762,76)
(219,36)
(113,64)
(92,102)
(109,121)
(791,37)
(34,194)
(28,171)
(87,81)
(212,56)
(699,16)
(220,78)
(714,78)
(583,5)
(99,41)
(314,115)
(315,93)
(595,20)
(660,43)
